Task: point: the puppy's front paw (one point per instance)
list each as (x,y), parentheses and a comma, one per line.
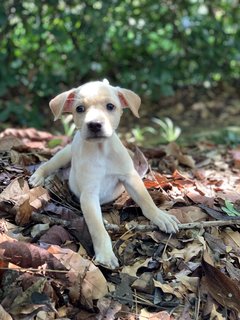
(37,179)
(108,259)
(166,222)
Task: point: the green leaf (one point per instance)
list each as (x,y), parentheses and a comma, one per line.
(230,210)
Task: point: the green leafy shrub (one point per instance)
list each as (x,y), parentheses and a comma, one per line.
(148,46)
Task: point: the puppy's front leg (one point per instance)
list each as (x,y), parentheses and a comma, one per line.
(136,189)
(101,241)
(59,160)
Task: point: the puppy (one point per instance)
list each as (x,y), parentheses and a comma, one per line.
(101,166)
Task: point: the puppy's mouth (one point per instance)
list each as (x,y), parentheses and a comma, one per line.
(96,137)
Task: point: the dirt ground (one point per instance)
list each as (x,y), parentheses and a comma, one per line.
(197,111)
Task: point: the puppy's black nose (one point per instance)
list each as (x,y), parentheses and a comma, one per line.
(94,127)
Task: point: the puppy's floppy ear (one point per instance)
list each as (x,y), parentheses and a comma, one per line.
(62,103)
(130,100)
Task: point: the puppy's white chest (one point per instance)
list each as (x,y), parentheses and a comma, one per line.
(92,171)
(92,177)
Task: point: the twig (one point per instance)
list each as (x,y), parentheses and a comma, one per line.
(190,225)
(33,269)
(39,217)
(206,224)
(146,303)
(197,305)
(138,227)
(166,245)
(111,226)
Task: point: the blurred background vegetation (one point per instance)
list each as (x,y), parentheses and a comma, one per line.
(154,48)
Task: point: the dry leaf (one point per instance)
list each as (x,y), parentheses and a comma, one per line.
(27,255)
(171,288)
(29,133)
(56,235)
(140,162)
(87,283)
(216,315)
(188,214)
(190,283)
(7,143)
(24,200)
(162,315)
(236,158)
(108,309)
(173,149)
(132,270)
(156,180)
(21,301)
(224,290)
(189,252)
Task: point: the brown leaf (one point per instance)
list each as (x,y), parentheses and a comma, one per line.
(173,149)
(224,290)
(162,315)
(29,133)
(38,196)
(181,180)
(140,162)
(7,143)
(27,255)
(24,200)
(22,303)
(108,309)
(215,244)
(196,197)
(144,283)
(188,214)
(76,224)
(25,159)
(56,235)
(87,283)
(233,272)
(236,158)
(156,180)
(16,188)
(190,251)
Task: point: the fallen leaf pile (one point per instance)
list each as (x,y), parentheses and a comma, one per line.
(47,267)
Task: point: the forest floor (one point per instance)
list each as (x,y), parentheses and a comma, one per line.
(47,267)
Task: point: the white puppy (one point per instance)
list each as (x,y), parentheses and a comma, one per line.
(101,166)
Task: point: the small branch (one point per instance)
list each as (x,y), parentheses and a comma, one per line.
(111,226)
(184,226)
(206,224)
(37,217)
(43,218)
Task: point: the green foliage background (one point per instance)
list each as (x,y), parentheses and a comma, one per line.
(149,46)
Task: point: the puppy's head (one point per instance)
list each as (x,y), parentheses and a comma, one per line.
(96,107)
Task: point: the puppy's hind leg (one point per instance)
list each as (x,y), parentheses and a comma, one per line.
(59,160)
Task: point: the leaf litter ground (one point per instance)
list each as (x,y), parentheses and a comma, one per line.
(47,267)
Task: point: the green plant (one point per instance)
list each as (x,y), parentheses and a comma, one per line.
(170,132)
(147,46)
(139,133)
(68,125)
(229,209)
(229,136)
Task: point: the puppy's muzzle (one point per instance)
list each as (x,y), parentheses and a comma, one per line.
(94,127)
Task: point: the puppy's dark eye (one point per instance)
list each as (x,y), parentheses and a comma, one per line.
(80,108)
(110,107)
